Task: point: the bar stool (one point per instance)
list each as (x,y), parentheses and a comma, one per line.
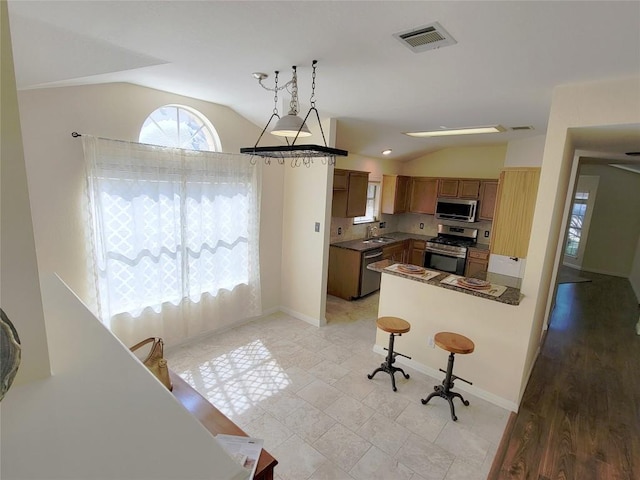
(395,327)
(453,343)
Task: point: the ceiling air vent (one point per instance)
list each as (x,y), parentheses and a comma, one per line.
(427,37)
(526,127)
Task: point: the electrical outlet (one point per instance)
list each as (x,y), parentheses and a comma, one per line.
(486,234)
(317,227)
(339,230)
(421,226)
(383,224)
(430,342)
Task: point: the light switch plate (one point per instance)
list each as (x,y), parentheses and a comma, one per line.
(317,226)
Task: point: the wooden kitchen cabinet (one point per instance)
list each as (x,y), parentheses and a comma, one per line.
(488,196)
(515,204)
(344,272)
(477,262)
(416,252)
(397,252)
(458,188)
(349,193)
(423,195)
(395,194)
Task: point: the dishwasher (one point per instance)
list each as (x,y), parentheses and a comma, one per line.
(370,280)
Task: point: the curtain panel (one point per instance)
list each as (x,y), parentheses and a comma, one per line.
(175,238)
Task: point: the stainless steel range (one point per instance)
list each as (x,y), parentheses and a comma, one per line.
(448,251)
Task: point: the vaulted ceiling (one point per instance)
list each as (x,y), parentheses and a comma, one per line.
(508,58)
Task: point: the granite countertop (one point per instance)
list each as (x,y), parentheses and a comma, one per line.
(360,246)
(511,296)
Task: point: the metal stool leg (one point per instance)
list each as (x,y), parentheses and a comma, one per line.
(387,366)
(444,390)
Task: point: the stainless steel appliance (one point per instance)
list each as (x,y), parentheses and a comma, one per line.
(369,280)
(448,251)
(457,209)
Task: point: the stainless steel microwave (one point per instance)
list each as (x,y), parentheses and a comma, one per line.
(457,209)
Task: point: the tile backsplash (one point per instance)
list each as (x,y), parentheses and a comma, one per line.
(407,222)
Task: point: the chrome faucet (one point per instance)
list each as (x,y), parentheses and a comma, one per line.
(372,231)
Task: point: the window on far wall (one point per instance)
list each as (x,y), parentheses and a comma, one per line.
(172,224)
(578,213)
(180,127)
(371,215)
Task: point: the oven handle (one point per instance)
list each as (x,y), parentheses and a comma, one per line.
(445,252)
(379,254)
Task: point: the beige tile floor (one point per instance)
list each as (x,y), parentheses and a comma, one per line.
(305,391)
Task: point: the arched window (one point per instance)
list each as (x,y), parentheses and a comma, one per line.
(181,127)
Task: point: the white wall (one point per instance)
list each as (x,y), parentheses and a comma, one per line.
(526,152)
(102,414)
(19,287)
(461,162)
(616,215)
(307,200)
(634,276)
(55,169)
(611,102)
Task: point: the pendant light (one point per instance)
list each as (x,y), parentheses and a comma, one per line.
(291,125)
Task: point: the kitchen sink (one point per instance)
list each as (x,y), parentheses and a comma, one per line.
(378,240)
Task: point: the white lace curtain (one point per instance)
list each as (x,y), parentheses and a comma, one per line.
(175,237)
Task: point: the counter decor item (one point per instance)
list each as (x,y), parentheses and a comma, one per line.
(155,361)
(10,353)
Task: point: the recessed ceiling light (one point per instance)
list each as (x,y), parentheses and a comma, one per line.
(387,151)
(458,131)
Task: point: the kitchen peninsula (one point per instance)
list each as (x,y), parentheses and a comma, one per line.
(431,306)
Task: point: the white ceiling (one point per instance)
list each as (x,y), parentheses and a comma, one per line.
(508,58)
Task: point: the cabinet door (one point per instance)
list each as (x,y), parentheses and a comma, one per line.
(340,179)
(488,195)
(416,253)
(357,194)
(344,273)
(475,267)
(395,190)
(447,187)
(468,188)
(395,252)
(424,192)
(402,194)
(517,192)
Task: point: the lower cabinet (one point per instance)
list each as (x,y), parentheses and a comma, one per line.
(477,262)
(416,252)
(398,252)
(344,273)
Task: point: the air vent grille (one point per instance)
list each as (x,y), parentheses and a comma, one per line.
(526,127)
(425,38)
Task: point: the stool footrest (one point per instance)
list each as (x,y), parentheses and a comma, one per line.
(398,353)
(455,377)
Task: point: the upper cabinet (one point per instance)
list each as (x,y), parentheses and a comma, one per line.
(349,193)
(458,188)
(516,199)
(423,195)
(488,195)
(395,193)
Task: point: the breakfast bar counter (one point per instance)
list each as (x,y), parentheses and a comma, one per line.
(510,296)
(431,306)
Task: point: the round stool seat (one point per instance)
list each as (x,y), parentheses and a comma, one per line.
(393,325)
(453,342)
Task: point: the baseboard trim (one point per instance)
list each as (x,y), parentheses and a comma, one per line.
(604,272)
(301,316)
(478,392)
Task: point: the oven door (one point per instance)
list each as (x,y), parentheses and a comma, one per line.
(446,263)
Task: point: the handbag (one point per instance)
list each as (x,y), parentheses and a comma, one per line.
(155,361)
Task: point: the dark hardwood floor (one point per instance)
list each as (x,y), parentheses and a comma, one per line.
(580,413)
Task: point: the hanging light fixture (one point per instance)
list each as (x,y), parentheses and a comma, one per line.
(292,125)
(300,154)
